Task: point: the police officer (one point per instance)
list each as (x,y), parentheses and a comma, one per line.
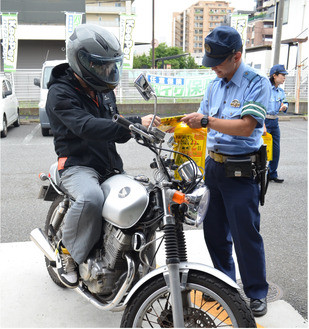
(277,104)
(234,109)
(80,106)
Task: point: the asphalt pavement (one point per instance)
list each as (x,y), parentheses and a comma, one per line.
(30,299)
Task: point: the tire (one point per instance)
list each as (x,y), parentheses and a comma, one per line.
(4,132)
(150,306)
(45,131)
(51,212)
(17,122)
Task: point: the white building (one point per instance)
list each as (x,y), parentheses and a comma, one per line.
(294,37)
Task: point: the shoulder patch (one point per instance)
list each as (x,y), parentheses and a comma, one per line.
(250,75)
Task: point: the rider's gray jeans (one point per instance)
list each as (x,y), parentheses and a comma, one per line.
(83,222)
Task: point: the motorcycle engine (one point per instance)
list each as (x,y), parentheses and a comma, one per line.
(104,267)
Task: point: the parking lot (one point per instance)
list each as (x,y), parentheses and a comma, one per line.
(25,153)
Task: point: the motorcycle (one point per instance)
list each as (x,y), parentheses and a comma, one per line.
(120,273)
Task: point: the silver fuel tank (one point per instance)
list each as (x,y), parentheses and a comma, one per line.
(125,201)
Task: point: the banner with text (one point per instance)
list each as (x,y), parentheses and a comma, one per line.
(72,20)
(240,23)
(126,37)
(9,41)
(168,86)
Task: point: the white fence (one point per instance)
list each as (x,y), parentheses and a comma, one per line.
(28,93)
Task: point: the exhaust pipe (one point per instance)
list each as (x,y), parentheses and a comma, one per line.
(41,240)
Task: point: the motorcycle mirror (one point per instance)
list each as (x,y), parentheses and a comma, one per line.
(144,87)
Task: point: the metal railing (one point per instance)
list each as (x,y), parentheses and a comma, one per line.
(28,94)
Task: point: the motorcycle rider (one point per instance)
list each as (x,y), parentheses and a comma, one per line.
(80,105)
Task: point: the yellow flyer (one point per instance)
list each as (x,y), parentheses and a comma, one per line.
(170,122)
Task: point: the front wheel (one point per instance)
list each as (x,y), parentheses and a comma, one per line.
(209,303)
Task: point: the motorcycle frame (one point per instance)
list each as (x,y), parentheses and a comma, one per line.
(175,272)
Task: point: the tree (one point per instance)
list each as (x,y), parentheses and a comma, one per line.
(183,62)
(142,61)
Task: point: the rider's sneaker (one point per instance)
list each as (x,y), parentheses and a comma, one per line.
(66,267)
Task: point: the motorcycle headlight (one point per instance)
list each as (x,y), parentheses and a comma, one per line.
(203,207)
(198,205)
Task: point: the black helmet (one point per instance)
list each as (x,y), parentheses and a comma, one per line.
(95,55)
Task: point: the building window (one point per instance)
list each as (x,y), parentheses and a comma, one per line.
(268,38)
(117,4)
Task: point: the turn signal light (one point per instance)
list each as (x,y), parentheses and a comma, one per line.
(179,197)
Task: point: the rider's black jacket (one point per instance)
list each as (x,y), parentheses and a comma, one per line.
(82,127)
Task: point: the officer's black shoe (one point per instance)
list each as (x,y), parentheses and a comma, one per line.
(277,180)
(258,306)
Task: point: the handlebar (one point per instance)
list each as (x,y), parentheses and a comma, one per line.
(122,121)
(137,128)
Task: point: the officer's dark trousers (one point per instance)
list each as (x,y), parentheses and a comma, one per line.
(233,216)
(272,126)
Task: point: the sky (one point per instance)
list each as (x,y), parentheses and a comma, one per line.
(163,18)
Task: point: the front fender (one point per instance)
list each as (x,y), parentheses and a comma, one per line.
(182,266)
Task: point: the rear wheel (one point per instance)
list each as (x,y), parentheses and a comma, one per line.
(211,303)
(54,238)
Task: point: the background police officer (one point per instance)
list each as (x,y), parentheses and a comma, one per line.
(234,109)
(277,104)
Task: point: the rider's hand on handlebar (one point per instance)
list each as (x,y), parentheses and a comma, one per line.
(146,120)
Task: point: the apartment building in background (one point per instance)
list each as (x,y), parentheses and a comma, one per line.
(192,25)
(260,34)
(261,24)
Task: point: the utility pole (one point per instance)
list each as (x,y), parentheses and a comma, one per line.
(278,32)
(153,36)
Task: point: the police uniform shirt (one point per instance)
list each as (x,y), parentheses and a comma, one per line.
(247,93)
(276,100)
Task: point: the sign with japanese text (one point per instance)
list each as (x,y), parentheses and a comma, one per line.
(180,86)
(126,37)
(72,20)
(10,41)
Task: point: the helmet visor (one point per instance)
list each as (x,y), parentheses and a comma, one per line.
(107,70)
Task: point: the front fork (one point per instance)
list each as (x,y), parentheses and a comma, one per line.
(172,277)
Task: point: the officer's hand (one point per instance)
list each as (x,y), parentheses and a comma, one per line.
(193,120)
(146,120)
(283,108)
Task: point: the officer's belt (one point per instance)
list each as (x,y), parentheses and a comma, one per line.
(222,158)
(272,117)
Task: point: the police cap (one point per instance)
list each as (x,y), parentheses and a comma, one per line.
(278,68)
(219,44)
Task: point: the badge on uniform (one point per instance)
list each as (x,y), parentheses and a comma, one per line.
(235,103)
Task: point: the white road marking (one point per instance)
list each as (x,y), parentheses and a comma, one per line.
(28,138)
